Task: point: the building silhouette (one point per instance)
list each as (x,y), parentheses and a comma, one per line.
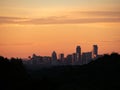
(95,51)
(46,60)
(86,57)
(74,58)
(54,58)
(71,59)
(35,59)
(61,58)
(78,55)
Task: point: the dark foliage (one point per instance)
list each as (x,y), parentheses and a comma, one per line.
(101,74)
(12,73)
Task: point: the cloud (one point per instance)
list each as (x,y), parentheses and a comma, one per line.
(92,17)
(11,20)
(71,21)
(99,13)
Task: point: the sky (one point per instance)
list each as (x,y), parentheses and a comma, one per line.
(42,26)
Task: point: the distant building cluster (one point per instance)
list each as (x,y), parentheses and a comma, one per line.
(76,58)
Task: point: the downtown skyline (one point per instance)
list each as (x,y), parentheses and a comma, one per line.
(75,58)
(41,26)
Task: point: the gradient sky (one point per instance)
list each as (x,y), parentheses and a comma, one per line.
(41,26)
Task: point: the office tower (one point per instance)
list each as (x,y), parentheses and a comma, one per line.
(61,57)
(95,51)
(78,54)
(54,58)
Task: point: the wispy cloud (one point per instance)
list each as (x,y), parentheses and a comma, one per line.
(99,13)
(92,17)
(11,20)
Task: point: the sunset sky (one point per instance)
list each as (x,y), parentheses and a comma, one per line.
(41,26)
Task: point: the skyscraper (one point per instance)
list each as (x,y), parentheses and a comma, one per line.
(54,58)
(78,54)
(61,58)
(95,51)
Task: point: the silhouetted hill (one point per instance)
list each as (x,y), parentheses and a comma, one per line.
(101,74)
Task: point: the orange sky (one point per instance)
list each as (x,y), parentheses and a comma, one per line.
(28,27)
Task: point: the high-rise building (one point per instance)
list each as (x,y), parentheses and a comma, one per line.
(61,57)
(54,58)
(78,54)
(95,51)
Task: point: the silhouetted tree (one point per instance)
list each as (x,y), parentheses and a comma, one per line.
(103,73)
(12,73)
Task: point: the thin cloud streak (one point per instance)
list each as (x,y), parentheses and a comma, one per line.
(99,13)
(107,17)
(71,21)
(11,20)
(61,21)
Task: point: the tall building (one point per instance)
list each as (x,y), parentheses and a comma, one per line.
(54,58)
(78,54)
(61,57)
(95,51)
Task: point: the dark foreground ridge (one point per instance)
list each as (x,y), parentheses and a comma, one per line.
(104,73)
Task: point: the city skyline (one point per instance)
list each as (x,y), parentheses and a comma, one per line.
(59,44)
(75,58)
(65,54)
(77,50)
(41,26)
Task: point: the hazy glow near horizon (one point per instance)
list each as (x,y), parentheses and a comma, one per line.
(41,26)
